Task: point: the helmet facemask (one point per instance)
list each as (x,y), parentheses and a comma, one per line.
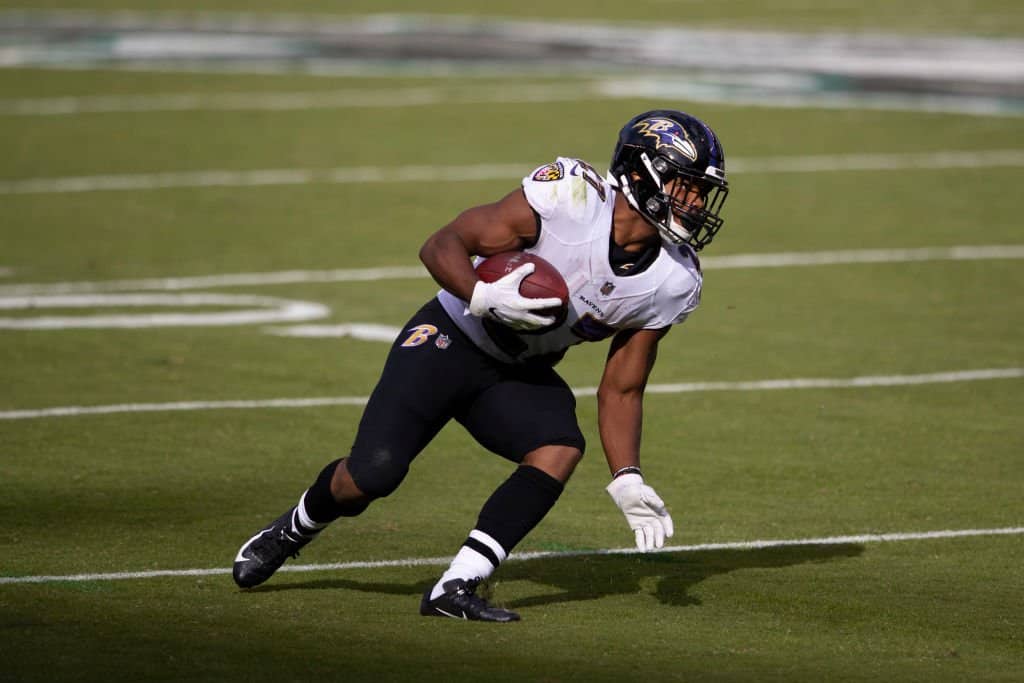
(682,205)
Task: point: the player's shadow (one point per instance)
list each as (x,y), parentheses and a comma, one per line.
(589,577)
(672,574)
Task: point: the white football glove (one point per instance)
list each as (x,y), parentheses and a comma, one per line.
(645,512)
(500,300)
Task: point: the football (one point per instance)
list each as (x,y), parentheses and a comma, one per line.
(545,280)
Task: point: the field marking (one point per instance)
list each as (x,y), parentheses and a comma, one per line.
(535,555)
(360,331)
(826,383)
(750,93)
(288,277)
(262,310)
(691,387)
(306,100)
(272,310)
(948,159)
(851,256)
(284,277)
(263,177)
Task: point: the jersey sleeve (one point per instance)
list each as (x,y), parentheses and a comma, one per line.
(565,190)
(541,187)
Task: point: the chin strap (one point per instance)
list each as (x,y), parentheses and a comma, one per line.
(624,188)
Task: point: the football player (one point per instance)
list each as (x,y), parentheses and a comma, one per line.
(626,245)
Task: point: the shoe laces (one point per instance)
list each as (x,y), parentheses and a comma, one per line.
(295,540)
(277,541)
(468,593)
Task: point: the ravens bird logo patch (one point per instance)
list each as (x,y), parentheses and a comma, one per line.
(549,172)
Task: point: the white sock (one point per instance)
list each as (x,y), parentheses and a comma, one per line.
(470,563)
(308,526)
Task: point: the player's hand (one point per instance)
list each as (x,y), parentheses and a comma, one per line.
(500,300)
(645,512)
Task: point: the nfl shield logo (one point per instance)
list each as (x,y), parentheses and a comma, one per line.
(443,341)
(607,288)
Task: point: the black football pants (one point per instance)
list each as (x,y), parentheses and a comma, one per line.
(435,373)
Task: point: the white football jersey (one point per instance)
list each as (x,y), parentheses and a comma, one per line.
(575,205)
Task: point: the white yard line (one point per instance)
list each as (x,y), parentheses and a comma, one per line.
(287,277)
(821,258)
(897,537)
(691,387)
(306,100)
(263,177)
(801,92)
(525,93)
(361,331)
(173,284)
(939,160)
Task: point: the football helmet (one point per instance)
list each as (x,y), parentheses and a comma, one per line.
(670,166)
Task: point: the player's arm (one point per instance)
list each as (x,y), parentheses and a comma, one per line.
(621,393)
(486,230)
(483,230)
(620,420)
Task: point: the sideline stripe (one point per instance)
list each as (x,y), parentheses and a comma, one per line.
(692,387)
(383,174)
(538,555)
(776,260)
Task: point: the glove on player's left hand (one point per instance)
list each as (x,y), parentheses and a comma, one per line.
(645,512)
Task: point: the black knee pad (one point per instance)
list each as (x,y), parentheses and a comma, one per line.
(378,472)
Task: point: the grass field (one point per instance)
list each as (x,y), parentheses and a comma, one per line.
(802,511)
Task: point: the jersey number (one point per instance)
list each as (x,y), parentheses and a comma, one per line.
(591,176)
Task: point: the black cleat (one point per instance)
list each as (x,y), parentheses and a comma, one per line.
(460,602)
(264,553)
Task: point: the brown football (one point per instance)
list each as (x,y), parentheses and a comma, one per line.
(545,280)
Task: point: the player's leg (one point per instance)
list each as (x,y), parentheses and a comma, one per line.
(413,399)
(531,421)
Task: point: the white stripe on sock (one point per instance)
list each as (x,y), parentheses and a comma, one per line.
(304,519)
(495,547)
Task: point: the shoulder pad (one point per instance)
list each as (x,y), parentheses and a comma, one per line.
(568,188)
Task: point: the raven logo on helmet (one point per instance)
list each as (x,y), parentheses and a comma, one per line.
(668,133)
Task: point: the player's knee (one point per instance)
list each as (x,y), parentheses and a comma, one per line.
(379,472)
(579,443)
(558,461)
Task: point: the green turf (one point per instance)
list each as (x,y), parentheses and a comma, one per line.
(720,616)
(182,490)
